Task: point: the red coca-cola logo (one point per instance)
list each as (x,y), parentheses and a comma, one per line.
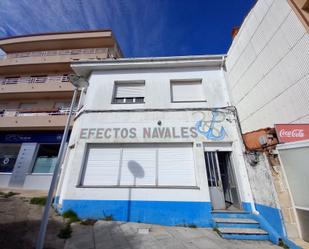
(292,133)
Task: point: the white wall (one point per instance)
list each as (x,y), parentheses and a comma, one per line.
(268,67)
(157,87)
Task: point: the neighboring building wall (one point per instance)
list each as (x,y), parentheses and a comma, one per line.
(268,67)
(268,74)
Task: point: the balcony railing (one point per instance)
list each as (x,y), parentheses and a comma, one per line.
(56,53)
(33,79)
(30,112)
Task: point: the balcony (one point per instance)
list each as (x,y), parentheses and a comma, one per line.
(53,56)
(12,86)
(52,60)
(41,119)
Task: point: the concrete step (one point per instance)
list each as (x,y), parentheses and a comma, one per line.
(231,230)
(243,233)
(236,222)
(232,214)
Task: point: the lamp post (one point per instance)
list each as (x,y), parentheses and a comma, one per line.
(78,82)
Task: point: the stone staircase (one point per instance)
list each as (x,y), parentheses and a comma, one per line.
(238,225)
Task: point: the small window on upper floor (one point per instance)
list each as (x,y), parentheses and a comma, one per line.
(27,105)
(129,92)
(187,91)
(11,80)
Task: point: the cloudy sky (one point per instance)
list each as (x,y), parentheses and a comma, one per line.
(142,27)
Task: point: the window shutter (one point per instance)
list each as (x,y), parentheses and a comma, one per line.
(138,165)
(176,165)
(130,90)
(102,166)
(187,91)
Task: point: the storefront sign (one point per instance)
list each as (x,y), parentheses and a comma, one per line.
(143,132)
(292,132)
(209,125)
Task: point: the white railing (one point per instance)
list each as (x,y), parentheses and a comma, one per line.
(33,79)
(56,53)
(17,113)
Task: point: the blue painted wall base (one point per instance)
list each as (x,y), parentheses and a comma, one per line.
(172,213)
(168,213)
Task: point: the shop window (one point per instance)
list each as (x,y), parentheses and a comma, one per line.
(8,156)
(187,91)
(46,158)
(158,165)
(129,93)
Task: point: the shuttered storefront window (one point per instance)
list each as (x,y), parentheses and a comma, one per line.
(140,165)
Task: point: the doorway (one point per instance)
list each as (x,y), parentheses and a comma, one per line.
(221,181)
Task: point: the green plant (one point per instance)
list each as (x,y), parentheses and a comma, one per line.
(192,226)
(215,229)
(108,217)
(71,215)
(282,244)
(9,194)
(38,201)
(88,222)
(65,232)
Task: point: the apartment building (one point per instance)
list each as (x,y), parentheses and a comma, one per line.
(35,96)
(268,79)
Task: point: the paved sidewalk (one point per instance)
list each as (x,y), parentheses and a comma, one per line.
(118,235)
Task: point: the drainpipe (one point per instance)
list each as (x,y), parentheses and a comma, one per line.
(239,131)
(252,204)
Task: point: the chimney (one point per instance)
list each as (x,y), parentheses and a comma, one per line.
(234,31)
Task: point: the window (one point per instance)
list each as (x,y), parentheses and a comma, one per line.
(26,106)
(8,156)
(139,165)
(38,78)
(11,80)
(129,93)
(46,158)
(187,91)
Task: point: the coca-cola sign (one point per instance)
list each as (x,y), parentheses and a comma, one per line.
(292,132)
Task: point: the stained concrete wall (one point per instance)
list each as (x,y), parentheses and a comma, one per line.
(268,67)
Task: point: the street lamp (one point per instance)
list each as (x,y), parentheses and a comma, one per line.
(78,82)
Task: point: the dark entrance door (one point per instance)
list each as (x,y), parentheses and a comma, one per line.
(221,180)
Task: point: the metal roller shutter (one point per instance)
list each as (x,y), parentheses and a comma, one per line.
(102,166)
(138,165)
(127,90)
(176,165)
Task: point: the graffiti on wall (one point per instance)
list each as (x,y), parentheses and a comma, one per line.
(211,129)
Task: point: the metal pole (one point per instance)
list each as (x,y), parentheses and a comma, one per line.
(53,184)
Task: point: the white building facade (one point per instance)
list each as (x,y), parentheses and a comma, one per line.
(157,141)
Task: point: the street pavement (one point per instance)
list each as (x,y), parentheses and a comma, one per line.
(120,235)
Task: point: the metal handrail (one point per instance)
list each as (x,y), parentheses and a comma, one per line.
(16,113)
(33,79)
(55,53)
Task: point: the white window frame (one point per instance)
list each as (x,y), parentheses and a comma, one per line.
(123,83)
(185,81)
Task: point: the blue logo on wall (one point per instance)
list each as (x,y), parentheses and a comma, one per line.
(209,133)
